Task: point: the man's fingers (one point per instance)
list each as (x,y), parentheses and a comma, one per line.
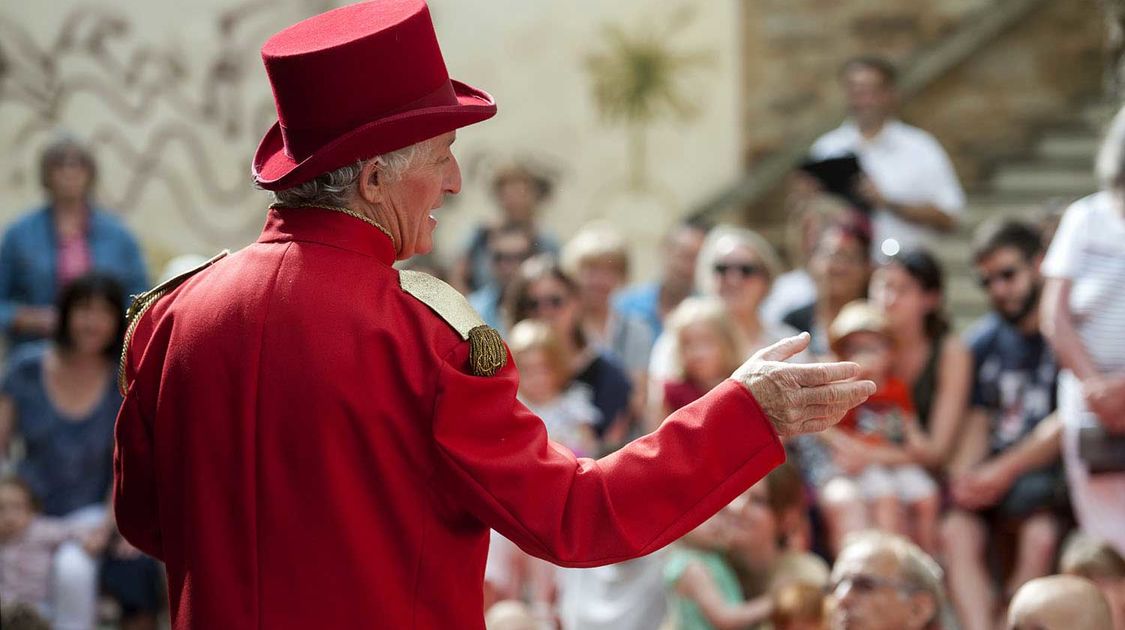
(812,374)
(848,394)
(784,349)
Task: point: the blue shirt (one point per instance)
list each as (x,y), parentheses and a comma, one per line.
(643,302)
(69,461)
(486,302)
(29,253)
(1014,378)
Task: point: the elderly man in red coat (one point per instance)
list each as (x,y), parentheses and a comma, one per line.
(313,439)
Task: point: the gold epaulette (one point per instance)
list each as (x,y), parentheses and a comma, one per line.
(487,354)
(142,302)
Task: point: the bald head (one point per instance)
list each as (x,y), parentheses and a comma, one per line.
(1059,602)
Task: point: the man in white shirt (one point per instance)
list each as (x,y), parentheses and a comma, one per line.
(909,181)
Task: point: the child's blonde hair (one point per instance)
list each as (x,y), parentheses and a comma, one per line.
(797,601)
(713,313)
(535,335)
(1091,558)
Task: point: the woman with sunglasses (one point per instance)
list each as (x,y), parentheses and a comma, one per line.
(543,291)
(934,363)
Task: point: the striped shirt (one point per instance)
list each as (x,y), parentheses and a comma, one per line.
(1089,250)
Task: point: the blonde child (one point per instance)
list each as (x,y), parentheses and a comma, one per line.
(707,347)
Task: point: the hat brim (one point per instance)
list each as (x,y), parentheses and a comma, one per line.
(276,170)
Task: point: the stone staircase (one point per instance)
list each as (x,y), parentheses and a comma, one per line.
(1058,170)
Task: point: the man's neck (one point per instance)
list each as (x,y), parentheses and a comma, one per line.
(69,208)
(1029,325)
(870,129)
(673,293)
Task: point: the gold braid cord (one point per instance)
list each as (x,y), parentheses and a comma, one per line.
(487,354)
(142,303)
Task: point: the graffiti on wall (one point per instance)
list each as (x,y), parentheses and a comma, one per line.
(160,122)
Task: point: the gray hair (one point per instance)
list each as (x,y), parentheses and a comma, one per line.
(915,567)
(335,188)
(1111,157)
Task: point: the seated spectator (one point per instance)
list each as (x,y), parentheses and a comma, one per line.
(1059,602)
(62,399)
(876,478)
(934,364)
(883,581)
(508,248)
(47,248)
(1011,446)
(653,301)
(519,192)
(707,349)
(768,549)
(736,265)
(707,593)
(1083,316)
(841,268)
(598,260)
(799,606)
(1095,560)
(543,291)
(908,181)
(28,544)
(806,220)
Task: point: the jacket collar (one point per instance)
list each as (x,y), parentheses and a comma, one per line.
(327,227)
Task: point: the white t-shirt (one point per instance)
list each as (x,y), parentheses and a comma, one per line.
(908,166)
(1089,250)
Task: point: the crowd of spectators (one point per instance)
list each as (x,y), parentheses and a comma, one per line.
(986,461)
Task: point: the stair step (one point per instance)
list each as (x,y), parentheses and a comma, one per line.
(1045,180)
(1069,147)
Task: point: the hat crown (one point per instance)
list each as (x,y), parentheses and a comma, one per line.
(339,70)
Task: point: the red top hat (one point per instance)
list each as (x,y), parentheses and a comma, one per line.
(357,82)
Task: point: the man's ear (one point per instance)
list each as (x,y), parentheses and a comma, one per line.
(370,185)
(923,609)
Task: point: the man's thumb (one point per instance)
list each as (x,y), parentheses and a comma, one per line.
(785,348)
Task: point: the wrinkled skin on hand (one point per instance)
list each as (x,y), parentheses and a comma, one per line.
(801,398)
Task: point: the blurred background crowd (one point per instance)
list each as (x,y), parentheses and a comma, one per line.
(983,486)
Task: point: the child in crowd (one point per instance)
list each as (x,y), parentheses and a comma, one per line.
(1097,561)
(546,388)
(798,606)
(724,573)
(28,543)
(707,348)
(870,446)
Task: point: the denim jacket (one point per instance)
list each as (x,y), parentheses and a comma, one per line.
(28,255)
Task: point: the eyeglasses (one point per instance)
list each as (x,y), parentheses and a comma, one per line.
(1005,275)
(551,302)
(509,257)
(745,270)
(866,584)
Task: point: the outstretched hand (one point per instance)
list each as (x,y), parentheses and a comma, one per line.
(801,398)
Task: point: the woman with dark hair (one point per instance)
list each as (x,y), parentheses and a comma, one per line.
(934,363)
(544,291)
(61,400)
(68,237)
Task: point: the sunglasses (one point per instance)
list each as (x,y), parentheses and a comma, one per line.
(509,257)
(745,270)
(866,584)
(1005,275)
(549,301)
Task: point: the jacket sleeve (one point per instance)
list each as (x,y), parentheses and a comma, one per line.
(134,474)
(8,271)
(497,462)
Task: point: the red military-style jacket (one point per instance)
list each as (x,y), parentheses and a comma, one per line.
(303,444)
